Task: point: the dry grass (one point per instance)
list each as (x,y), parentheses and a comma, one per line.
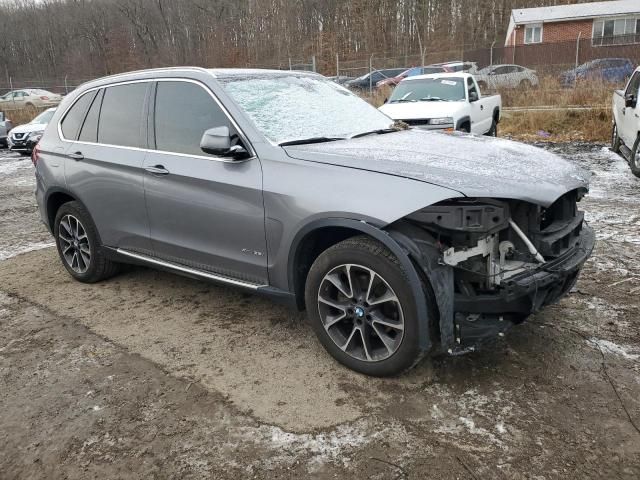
(562,123)
(558,125)
(22,116)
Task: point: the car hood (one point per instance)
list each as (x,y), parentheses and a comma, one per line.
(416,110)
(29,127)
(471,165)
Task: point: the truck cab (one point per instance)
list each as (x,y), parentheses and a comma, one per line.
(625,137)
(444,101)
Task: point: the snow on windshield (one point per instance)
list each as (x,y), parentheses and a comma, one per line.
(442,88)
(292,107)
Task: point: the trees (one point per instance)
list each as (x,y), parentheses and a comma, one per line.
(89,38)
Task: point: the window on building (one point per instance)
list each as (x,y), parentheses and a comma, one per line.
(533,33)
(617,31)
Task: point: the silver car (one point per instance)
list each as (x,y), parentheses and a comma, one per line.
(397,242)
(506,76)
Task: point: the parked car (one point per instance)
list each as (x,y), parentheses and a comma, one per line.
(625,137)
(458,66)
(614,70)
(5,126)
(371,79)
(398,242)
(445,101)
(506,76)
(24,137)
(29,98)
(412,72)
(340,79)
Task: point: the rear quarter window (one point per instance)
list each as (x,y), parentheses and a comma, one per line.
(73,119)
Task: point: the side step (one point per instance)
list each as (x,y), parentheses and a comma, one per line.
(189,271)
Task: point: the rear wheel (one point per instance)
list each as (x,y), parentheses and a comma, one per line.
(493,131)
(78,245)
(634,159)
(615,139)
(362,309)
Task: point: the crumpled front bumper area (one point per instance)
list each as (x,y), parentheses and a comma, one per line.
(482,317)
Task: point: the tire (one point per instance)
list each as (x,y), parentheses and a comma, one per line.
(465,128)
(615,139)
(634,159)
(378,291)
(493,131)
(79,245)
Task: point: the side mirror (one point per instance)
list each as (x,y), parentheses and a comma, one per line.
(473,97)
(217,141)
(630,100)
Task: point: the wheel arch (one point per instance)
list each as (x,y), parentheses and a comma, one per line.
(463,121)
(316,237)
(55,198)
(496,114)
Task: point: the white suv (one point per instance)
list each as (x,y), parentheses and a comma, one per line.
(625,137)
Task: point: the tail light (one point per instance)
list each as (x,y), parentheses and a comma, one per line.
(44,98)
(35,154)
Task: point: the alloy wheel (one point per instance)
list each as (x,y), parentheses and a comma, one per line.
(74,244)
(361,313)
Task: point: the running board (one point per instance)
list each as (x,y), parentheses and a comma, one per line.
(189,271)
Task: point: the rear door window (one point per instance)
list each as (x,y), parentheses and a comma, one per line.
(73,119)
(183,112)
(121,116)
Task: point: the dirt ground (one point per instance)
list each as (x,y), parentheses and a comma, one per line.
(150,375)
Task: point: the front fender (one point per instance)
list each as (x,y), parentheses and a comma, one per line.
(402,254)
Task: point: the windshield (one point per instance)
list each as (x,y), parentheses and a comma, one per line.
(44,117)
(291,107)
(449,89)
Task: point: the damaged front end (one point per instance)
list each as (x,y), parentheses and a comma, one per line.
(493,262)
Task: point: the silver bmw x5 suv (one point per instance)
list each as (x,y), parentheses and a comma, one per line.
(398,242)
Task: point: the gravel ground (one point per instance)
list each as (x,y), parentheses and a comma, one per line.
(150,375)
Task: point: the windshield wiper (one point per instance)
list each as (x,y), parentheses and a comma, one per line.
(304,141)
(380,131)
(401,100)
(433,99)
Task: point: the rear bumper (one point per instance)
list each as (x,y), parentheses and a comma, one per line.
(485,316)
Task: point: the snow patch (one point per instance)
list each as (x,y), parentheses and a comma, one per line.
(610,347)
(13,251)
(7,168)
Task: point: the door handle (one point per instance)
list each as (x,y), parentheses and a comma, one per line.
(157,170)
(481,107)
(77,156)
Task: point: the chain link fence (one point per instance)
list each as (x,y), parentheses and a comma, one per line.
(497,68)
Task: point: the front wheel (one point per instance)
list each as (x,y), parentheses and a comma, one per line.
(362,309)
(615,139)
(78,245)
(634,159)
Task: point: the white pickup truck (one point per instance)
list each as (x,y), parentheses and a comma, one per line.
(625,138)
(444,101)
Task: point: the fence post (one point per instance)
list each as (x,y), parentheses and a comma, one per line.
(66,88)
(313,62)
(290,64)
(575,83)
(491,54)
(370,76)
(337,64)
